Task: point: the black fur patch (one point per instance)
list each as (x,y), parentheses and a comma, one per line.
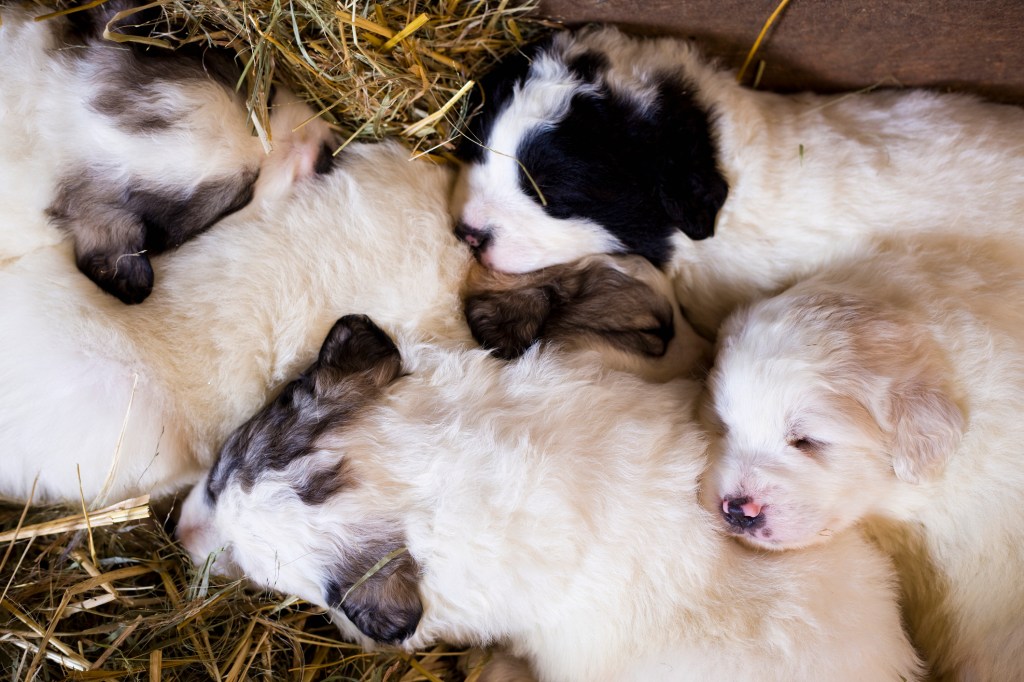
(172,219)
(588,66)
(639,172)
(565,303)
(489,98)
(357,359)
(386,606)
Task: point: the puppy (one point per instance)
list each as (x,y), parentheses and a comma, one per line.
(888,393)
(548,505)
(132,399)
(130,151)
(599,142)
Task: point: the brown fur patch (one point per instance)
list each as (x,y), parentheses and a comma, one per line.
(385,605)
(582,303)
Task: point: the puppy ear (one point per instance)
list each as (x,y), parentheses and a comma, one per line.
(691,187)
(591,299)
(611,306)
(356,344)
(927,428)
(378,590)
(508,322)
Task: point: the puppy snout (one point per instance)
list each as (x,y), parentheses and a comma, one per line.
(742,512)
(476,239)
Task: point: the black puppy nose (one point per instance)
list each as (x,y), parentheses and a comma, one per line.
(477,239)
(742,513)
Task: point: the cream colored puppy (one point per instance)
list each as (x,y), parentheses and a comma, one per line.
(547,504)
(889,392)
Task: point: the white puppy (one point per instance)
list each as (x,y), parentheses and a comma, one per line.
(548,504)
(890,392)
(600,142)
(129,150)
(241,310)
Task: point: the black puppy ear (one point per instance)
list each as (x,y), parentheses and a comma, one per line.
(691,187)
(378,590)
(356,344)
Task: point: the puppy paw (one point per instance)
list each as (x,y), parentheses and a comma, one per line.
(127,276)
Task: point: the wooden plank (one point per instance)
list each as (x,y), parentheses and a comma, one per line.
(833,45)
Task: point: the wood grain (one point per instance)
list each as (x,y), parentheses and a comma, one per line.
(833,45)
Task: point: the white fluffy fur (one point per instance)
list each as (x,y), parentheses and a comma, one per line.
(50,130)
(551,505)
(811,178)
(241,310)
(904,371)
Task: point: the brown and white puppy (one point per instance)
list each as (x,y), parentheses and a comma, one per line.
(548,505)
(130,150)
(888,393)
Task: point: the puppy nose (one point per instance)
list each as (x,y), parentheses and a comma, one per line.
(742,512)
(477,239)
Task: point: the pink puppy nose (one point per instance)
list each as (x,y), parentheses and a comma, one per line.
(749,509)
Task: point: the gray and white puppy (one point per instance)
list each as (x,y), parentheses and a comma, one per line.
(131,150)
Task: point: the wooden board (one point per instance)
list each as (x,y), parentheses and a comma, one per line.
(832,45)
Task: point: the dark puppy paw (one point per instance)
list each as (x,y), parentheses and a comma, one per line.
(127,276)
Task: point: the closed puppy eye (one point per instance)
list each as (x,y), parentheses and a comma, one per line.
(806,445)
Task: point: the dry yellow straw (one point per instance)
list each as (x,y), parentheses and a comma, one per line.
(439,114)
(128,510)
(760,38)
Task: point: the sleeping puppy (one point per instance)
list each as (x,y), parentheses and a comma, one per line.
(622,308)
(139,398)
(599,142)
(548,504)
(129,150)
(889,393)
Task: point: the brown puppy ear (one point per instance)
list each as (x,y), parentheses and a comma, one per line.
(356,344)
(927,429)
(508,322)
(607,304)
(378,590)
(590,301)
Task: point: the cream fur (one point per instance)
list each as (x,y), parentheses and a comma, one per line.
(904,372)
(812,179)
(551,506)
(241,309)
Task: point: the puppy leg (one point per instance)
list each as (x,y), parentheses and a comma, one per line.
(109,239)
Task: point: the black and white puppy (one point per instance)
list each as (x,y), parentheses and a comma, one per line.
(129,150)
(595,141)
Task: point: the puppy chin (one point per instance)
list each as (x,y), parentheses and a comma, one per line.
(776,538)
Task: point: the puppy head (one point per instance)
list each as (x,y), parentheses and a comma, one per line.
(580,150)
(285,509)
(824,404)
(619,306)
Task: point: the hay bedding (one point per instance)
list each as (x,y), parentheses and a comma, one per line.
(110,596)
